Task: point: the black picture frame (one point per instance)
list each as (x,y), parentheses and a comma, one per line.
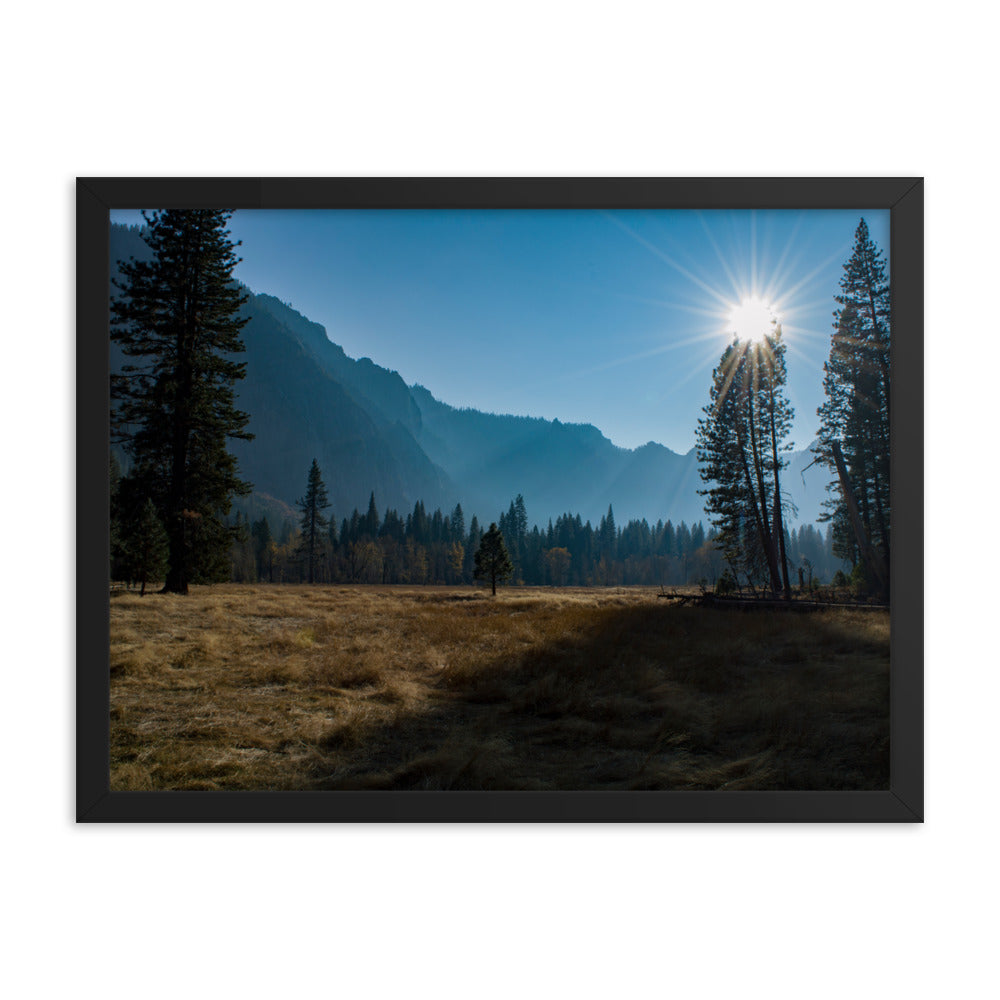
(903,802)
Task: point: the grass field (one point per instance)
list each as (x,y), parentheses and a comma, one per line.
(256,687)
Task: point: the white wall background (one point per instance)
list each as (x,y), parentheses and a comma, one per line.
(438,88)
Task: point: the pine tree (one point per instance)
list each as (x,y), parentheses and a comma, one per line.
(778,415)
(741,446)
(146,546)
(472,546)
(854,419)
(371,524)
(458,524)
(492,559)
(520,523)
(420,525)
(263,549)
(173,404)
(504,525)
(608,534)
(313,522)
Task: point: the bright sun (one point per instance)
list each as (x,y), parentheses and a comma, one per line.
(753,319)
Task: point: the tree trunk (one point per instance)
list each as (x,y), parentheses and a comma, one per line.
(879,356)
(176,582)
(769,545)
(760,516)
(872,557)
(779,526)
(877,489)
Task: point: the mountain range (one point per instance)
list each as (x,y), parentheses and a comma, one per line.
(371,432)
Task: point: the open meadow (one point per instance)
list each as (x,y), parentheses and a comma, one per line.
(296,687)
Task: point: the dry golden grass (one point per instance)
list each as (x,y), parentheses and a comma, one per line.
(243,687)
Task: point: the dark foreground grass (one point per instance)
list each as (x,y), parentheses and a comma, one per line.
(241,687)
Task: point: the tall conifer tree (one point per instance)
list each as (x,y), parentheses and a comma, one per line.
(741,446)
(854,419)
(173,404)
(313,522)
(458,524)
(371,518)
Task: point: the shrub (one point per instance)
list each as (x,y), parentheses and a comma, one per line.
(860,583)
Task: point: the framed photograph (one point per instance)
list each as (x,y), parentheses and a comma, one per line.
(521,499)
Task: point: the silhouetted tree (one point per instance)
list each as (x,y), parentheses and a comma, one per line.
(458,524)
(371,523)
(263,549)
(520,520)
(741,441)
(607,541)
(492,559)
(854,419)
(313,522)
(145,546)
(471,547)
(173,404)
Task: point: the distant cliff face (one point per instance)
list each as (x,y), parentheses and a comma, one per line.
(369,431)
(300,410)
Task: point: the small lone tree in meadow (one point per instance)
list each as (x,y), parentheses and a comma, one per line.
(492,558)
(313,522)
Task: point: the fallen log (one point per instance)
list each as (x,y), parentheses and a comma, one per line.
(681,598)
(777,604)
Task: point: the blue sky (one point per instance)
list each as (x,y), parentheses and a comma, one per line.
(614,318)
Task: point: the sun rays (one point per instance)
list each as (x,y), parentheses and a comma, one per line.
(671,290)
(756,287)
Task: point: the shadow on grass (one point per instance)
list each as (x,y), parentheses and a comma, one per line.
(639,697)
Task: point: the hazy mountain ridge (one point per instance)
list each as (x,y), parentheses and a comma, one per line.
(377,388)
(370,431)
(299,411)
(307,399)
(561,467)
(558,467)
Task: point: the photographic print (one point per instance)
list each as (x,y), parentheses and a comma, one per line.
(462,501)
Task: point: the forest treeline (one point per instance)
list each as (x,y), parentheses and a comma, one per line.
(439,548)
